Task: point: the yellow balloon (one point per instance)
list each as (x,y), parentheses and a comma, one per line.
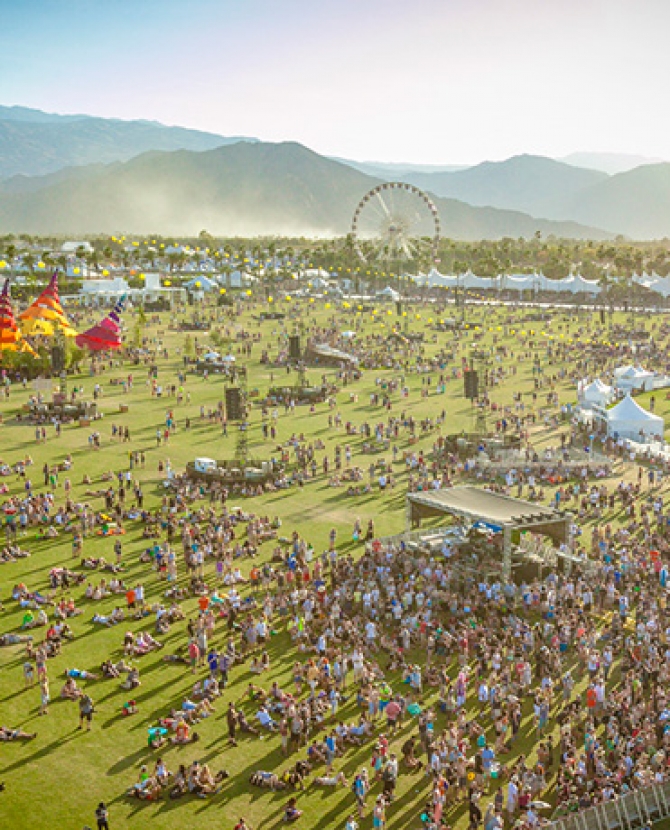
(223,291)
(105,272)
(327,305)
(40,264)
(142,277)
(249,293)
(3,264)
(167,283)
(76,271)
(270,299)
(389,312)
(198,284)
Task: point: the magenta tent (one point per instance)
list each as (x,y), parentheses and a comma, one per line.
(106,334)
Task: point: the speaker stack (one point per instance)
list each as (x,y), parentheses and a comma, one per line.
(294,350)
(234,404)
(471,384)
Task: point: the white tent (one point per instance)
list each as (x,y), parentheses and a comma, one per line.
(635,377)
(596,392)
(587,286)
(314,273)
(661,286)
(388,293)
(629,420)
(433,278)
(520,282)
(470,280)
(239,279)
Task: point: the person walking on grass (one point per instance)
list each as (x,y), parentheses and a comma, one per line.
(102,816)
(85,712)
(44,696)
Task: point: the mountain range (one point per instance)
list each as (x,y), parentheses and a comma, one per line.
(246,189)
(77,174)
(33,143)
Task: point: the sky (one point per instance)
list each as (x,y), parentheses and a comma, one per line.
(422,81)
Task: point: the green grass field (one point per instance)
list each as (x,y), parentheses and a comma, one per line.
(57,779)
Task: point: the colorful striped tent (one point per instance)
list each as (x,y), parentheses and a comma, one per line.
(45,314)
(11,339)
(106,334)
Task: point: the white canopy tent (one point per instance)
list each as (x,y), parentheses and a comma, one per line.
(629,420)
(595,392)
(388,293)
(635,377)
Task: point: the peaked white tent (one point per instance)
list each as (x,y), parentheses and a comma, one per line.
(629,420)
(434,278)
(635,377)
(596,392)
(587,286)
(520,282)
(388,293)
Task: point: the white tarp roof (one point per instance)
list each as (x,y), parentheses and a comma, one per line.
(596,392)
(629,420)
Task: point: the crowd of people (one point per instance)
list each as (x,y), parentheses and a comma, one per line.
(507,701)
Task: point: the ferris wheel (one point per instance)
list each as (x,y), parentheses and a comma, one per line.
(396,222)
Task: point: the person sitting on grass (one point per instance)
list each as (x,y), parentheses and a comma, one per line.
(291,812)
(70,690)
(244,725)
(132,680)
(265,719)
(147,789)
(183,734)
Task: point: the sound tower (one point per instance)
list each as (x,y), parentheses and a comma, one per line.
(234,404)
(602,316)
(398,308)
(471,384)
(57,359)
(294,351)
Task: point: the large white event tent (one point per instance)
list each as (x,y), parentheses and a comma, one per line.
(574,283)
(629,420)
(634,377)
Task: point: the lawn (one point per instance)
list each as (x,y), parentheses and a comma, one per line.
(57,779)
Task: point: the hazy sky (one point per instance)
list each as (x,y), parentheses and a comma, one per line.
(429,81)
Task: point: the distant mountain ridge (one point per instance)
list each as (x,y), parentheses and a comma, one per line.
(41,152)
(244,188)
(532,184)
(610,163)
(33,143)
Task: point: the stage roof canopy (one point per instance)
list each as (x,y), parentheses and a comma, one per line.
(476,504)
